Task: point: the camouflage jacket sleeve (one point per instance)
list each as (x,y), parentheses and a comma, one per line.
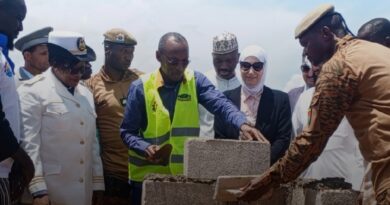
(335,92)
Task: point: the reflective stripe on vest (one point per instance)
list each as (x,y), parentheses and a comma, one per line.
(160,130)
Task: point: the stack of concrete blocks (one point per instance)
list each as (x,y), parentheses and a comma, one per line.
(328,191)
(177,190)
(204,161)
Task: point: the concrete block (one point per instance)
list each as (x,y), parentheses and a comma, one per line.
(208,159)
(226,185)
(297,194)
(327,191)
(177,190)
(331,197)
(280,196)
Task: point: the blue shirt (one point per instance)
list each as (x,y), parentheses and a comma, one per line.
(4,47)
(135,119)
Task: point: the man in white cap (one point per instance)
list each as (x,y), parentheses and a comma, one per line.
(35,54)
(223,76)
(353,81)
(59,126)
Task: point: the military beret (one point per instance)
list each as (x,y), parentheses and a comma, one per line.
(33,39)
(119,36)
(313,17)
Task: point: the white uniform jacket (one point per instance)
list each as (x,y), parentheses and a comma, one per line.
(21,75)
(59,134)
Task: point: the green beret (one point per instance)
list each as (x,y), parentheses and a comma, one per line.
(312,18)
(33,39)
(119,36)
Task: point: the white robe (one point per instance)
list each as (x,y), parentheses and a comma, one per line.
(206,119)
(341,156)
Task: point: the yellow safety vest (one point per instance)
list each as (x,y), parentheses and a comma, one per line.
(160,130)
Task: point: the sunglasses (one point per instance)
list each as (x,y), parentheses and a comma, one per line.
(306,65)
(176,62)
(71,69)
(245,66)
(305,68)
(76,71)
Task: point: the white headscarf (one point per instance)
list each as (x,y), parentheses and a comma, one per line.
(259,53)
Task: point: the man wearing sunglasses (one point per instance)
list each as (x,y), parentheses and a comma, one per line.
(162,111)
(225,59)
(308,77)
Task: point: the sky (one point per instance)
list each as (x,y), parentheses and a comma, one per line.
(269,24)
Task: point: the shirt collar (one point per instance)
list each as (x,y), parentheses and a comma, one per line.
(4,43)
(159,82)
(246,94)
(234,78)
(127,75)
(26,72)
(344,41)
(4,49)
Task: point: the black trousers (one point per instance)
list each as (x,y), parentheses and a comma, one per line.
(136,192)
(4,192)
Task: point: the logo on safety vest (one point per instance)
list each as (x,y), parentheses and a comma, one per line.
(154,106)
(184,97)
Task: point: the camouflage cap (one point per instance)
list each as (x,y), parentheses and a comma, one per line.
(312,18)
(119,36)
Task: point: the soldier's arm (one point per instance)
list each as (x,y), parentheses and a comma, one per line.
(335,90)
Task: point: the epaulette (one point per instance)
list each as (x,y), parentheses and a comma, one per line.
(34,79)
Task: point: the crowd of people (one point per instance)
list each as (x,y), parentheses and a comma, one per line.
(69,137)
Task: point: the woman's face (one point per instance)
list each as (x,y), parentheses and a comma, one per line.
(70,76)
(251,71)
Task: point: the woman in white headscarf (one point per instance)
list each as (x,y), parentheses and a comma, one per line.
(266,109)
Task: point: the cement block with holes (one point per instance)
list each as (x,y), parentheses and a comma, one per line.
(208,159)
(327,191)
(330,197)
(227,186)
(177,190)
